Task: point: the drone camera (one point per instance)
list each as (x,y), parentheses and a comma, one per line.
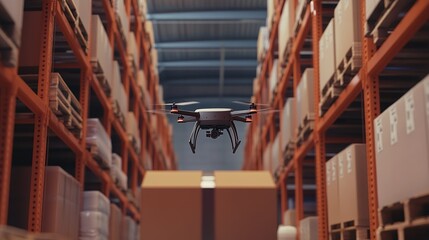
(214,133)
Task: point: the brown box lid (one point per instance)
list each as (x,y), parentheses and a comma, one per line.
(172,179)
(243,179)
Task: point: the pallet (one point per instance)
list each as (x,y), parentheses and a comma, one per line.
(99,74)
(386,17)
(417,230)
(349,66)
(406,211)
(72,16)
(305,129)
(121,32)
(328,98)
(350,233)
(118,114)
(62,102)
(300,13)
(289,152)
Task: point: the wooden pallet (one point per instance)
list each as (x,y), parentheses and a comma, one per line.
(405,211)
(349,233)
(118,114)
(62,102)
(386,17)
(300,13)
(72,15)
(121,32)
(416,230)
(329,98)
(99,74)
(286,54)
(305,129)
(289,152)
(349,66)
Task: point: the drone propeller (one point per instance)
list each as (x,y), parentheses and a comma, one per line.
(179,103)
(250,103)
(250,111)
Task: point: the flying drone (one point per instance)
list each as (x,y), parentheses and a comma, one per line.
(214,121)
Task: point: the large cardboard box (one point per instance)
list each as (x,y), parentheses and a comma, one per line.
(305,96)
(402,152)
(274,79)
(245,205)
(119,94)
(271,13)
(276,155)
(353,186)
(371,6)
(332,189)
(122,18)
(101,50)
(285,29)
(327,63)
(133,52)
(171,205)
(263,43)
(288,124)
(12,12)
(348,29)
(308,228)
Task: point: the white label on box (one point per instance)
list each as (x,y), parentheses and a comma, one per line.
(349,161)
(328,173)
(409,112)
(393,118)
(379,135)
(340,166)
(334,171)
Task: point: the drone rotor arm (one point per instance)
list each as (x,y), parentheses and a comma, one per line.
(187,113)
(239,118)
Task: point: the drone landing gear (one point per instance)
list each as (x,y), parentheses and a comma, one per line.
(193,137)
(234,141)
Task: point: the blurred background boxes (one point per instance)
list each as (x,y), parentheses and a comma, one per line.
(11,19)
(332,190)
(288,127)
(308,228)
(285,33)
(274,79)
(353,187)
(263,43)
(327,63)
(99,143)
(289,218)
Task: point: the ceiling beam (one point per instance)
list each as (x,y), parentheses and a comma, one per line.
(197,64)
(208,81)
(243,43)
(240,15)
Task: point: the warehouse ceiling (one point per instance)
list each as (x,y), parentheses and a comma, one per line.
(207,53)
(207,48)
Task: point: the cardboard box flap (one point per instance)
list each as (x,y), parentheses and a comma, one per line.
(172,179)
(243,179)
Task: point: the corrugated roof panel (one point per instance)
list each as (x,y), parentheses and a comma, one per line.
(162,6)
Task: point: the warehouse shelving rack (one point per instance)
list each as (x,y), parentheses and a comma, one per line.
(13,89)
(365,86)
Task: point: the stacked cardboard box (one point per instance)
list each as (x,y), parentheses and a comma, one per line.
(133,131)
(61,201)
(305,98)
(274,79)
(99,142)
(85,13)
(332,189)
(94,217)
(286,232)
(266,158)
(235,216)
(183,216)
(29,55)
(142,83)
(288,126)
(289,218)
(118,176)
(11,233)
(142,8)
(299,14)
(327,63)
(115,223)
(308,229)
(348,38)
(276,165)
(271,13)
(122,19)
(401,137)
(101,53)
(129,229)
(119,95)
(11,15)
(133,52)
(148,26)
(285,32)
(263,43)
